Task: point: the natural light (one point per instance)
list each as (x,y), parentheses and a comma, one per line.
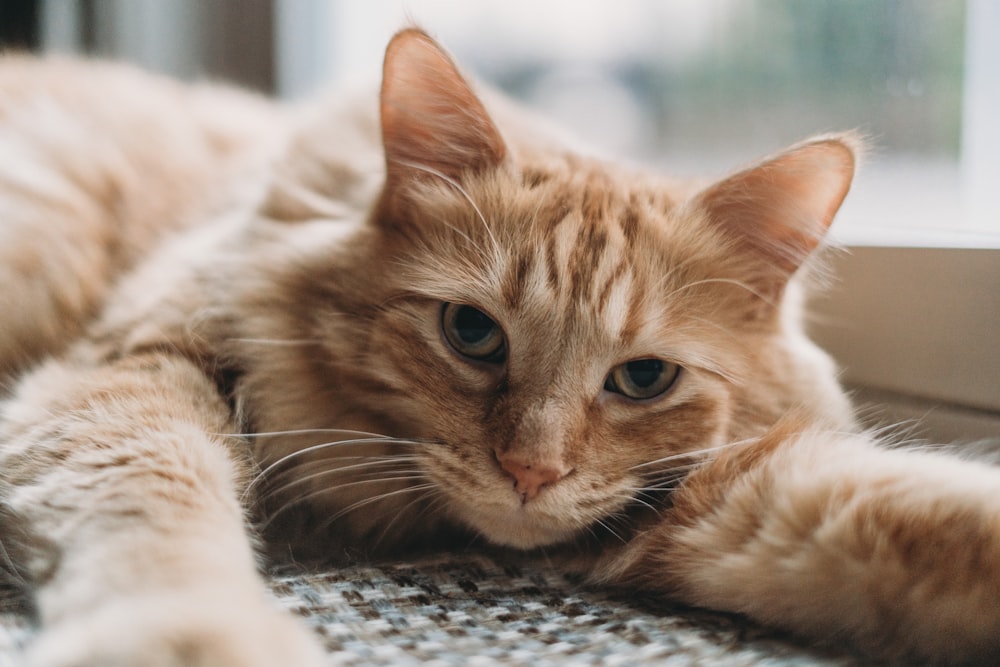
(698,88)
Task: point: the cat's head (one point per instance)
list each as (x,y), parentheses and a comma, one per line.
(560,330)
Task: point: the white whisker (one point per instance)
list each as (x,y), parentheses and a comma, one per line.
(603,524)
(305,497)
(458,187)
(694,454)
(672,475)
(419,499)
(366,470)
(637,499)
(669,459)
(372,476)
(374,499)
(252,486)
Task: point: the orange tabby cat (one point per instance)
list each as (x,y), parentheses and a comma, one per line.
(555,351)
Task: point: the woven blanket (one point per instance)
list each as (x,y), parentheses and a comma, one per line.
(474,611)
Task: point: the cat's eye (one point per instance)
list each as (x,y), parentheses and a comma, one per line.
(642,378)
(472,333)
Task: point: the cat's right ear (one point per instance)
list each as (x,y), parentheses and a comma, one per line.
(433,124)
(778,211)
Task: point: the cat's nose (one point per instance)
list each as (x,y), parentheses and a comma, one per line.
(530,478)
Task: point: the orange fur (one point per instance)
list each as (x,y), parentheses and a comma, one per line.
(233,284)
(830,536)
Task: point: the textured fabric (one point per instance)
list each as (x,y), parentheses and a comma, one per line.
(474,611)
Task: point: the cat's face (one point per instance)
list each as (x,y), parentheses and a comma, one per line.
(554,348)
(560,333)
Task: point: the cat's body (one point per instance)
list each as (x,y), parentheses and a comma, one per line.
(565,354)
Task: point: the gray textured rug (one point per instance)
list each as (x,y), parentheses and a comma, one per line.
(475,611)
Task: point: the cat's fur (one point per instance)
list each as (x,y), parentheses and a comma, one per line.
(196,284)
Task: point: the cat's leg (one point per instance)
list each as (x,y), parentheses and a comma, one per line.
(58,237)
(129,486)
(893,552)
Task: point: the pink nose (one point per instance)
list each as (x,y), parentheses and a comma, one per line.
(529,478)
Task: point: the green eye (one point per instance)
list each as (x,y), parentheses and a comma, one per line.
(472,333)
(642,378)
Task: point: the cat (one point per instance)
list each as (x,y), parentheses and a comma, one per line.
(373,328)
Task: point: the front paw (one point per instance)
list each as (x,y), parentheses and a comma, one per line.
(176,631)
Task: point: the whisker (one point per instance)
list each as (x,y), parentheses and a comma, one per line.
(419,499)
(372,476)
(667,476)
(592,532)
(436,503)
(680,468)
(472,540)
(603,524)
(458,187)
(305,497)
(404,475)
(252,486)
(692,454)
(366,462)
(675,457)
(637,499)
(374,499)
(366,470)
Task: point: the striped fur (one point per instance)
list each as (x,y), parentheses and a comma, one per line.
(215,306)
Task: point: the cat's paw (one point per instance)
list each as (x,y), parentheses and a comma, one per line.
(178,631)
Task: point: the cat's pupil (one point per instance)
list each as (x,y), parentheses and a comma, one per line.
(644,372)
(472,325)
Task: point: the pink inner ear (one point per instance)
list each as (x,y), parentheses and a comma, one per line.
(783,207)
(431,118)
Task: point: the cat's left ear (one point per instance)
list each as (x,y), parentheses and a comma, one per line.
(433,124)
(780,209)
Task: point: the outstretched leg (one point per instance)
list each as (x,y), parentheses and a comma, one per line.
(894,552)
(129,487)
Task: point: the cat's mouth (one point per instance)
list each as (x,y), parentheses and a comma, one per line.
(517,524)
(502,514)
(513,508)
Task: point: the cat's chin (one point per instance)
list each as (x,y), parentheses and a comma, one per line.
(525,537)
(517,529)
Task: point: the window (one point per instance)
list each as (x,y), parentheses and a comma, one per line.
(698,87)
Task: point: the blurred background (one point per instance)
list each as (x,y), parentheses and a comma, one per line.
(690,87)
